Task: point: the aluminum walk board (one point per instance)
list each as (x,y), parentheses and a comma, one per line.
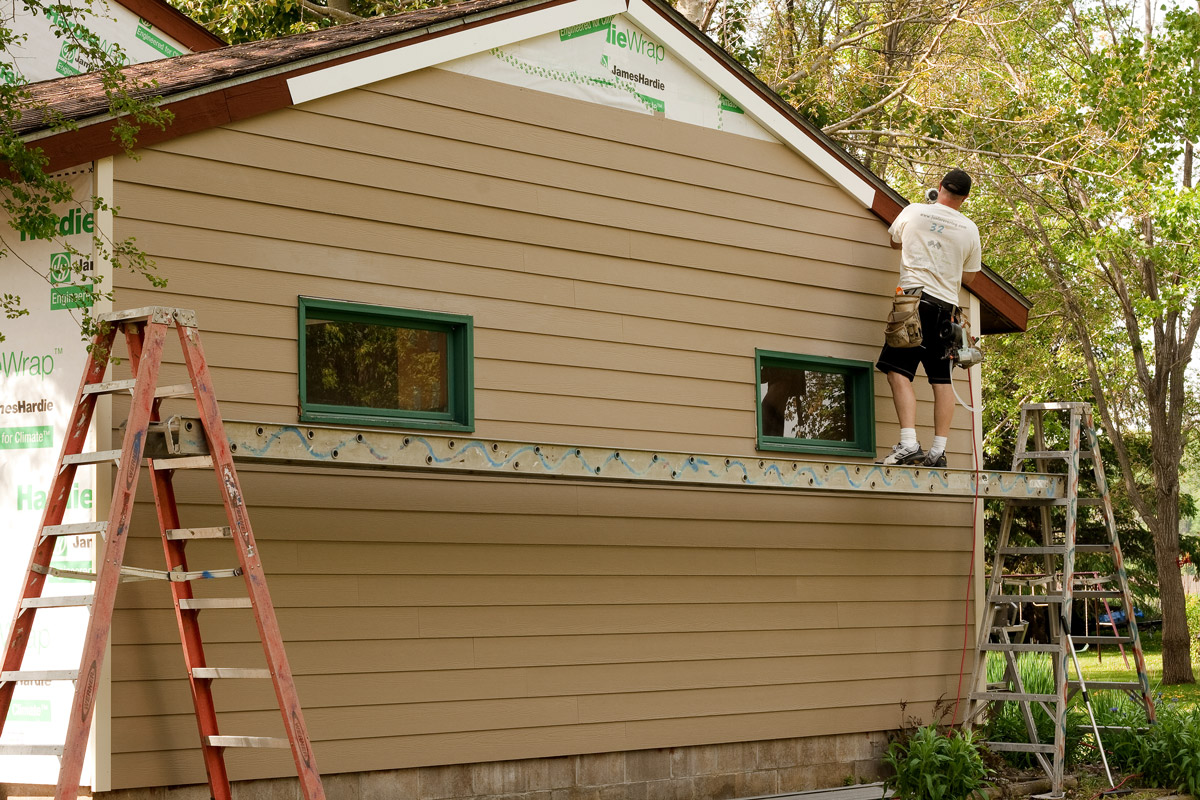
(309,445)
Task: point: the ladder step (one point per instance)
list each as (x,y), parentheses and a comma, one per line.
(1019,747)
(1089,594)
(1049,454)
(64,601)
(40,675)
(175,390)
(248,741)
(198,603)
(1102,639)
(92,458)
(31,750)
(110,387)
(1093,548)
(230,672)
(1003,647)
(179,534)
(1059,549)
(1025,598)
(1054,501)
(1109,686)
(74,529)
(183,462)
(1015,697)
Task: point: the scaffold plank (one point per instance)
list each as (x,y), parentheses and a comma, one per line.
(310,445)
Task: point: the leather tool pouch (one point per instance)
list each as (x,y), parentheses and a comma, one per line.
(904,323)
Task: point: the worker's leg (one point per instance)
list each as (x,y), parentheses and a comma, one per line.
(905,399)
(943,408)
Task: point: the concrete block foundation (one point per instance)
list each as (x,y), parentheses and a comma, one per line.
(702,772)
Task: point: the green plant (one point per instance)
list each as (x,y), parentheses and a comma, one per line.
(1193,622)
(1006,723)
(931,765)
(1167,753)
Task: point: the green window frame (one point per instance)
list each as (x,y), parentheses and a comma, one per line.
(460,371)
(860,397)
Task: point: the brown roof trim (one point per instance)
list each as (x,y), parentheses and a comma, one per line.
(175,23)
(1012,316)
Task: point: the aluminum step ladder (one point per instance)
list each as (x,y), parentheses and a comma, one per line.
(1056,586)
(146,331)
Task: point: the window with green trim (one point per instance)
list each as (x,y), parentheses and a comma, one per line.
(814,404)
(375,365)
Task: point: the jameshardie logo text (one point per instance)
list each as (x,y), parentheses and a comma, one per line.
(63,293)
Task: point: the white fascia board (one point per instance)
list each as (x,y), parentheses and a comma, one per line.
(452,45)
(765,114)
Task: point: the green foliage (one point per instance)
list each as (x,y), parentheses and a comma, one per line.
(238,21)
(930,765)
(1167,754)
(1007,724)
(1193,619)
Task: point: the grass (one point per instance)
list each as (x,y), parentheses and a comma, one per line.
(1112,668)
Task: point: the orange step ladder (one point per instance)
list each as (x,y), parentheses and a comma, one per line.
(146,332)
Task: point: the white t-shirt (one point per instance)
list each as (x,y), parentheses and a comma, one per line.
(939,245)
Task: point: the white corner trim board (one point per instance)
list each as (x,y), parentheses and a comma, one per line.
(457,44)
(771,118)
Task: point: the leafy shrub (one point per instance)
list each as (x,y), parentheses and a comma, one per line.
(930,765)
(1167,753)
(1193,623)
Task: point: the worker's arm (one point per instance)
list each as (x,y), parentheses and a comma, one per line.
(969,277)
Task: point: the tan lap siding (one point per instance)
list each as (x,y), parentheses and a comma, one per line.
(537,618)
(620,271)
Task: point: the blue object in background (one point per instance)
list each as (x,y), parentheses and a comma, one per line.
(1118,616)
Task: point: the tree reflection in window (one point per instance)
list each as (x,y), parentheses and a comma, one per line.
(376,366)
(806,404)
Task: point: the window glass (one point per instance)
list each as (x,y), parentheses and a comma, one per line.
(377,366)
(806,404)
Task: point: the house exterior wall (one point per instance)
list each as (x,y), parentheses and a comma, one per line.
(620,271)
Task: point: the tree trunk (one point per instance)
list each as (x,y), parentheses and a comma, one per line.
(693,10)
(1177,660)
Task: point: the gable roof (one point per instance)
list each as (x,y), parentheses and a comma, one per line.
(211,88)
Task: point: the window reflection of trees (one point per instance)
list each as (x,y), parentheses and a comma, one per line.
(805,404)
(376,366)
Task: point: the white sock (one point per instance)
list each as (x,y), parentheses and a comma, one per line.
(939,445)
(908,437)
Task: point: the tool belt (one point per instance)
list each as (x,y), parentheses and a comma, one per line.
(904,323)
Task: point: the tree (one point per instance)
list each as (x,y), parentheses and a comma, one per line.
(27,194)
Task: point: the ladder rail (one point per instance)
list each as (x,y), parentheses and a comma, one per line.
(251,562)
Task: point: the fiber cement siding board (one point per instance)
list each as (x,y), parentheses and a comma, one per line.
(620,271)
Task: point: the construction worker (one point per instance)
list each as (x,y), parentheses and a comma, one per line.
(939,253)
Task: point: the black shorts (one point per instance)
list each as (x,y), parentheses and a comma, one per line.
(935,314)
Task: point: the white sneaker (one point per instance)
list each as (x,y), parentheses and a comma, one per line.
(903,454)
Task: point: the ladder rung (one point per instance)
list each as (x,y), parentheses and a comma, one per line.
(1049,454)
(1034,551)
(230,672)
(1108,686)
(183,462)
(175,390)
(1054,501)
(1012,647)
(198,603)
(1019,747)
(40,675)
(32,750)
(1102,639)
(1089,594)
(1025,598)
(248,741)
(74,529)
(92,458)
(1062,405)
(1093,548)
(110,387)
(1015,697)
(178,534)
(62,601)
